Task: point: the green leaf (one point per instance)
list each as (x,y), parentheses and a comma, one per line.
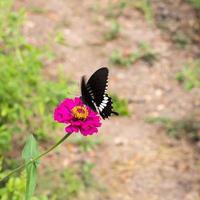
(30,151)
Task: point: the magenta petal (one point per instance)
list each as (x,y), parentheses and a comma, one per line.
(78,101)
(89,131)
(61,115)
(68,104)
(77,123)
(93,122)
(71,129)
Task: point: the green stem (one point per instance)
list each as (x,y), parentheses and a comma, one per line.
(36,158)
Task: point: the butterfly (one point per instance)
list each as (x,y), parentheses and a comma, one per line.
(94,93)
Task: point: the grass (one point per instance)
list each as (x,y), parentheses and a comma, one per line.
(117,58)
(60,38)
(187,127)
(189,77)
(144,52)
(73,183)
(145,7)
(86,144)
(120,105)
(73,180)
(195,4)
(14,188)
(66,186)
(114,30)
(66,183)
(86,173)
(37,10)
(27,97)
(114,10)
(181,39)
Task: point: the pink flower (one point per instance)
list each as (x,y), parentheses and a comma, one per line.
(77,116)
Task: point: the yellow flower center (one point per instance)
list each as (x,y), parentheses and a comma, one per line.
(80,112)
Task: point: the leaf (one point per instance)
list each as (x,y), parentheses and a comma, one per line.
(31,149)
(29,152)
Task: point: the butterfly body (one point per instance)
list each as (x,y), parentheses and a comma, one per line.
(94,93)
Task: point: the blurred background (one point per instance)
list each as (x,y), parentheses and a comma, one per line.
(149,152)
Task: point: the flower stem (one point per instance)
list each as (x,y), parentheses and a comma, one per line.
(37,158)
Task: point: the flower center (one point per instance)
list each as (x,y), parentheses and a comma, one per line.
(80,112)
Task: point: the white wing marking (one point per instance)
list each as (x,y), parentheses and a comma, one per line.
(90,91)
(105,101)
(103,104)
(95,105)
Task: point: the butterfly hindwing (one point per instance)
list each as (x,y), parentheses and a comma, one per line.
(94,93)
(105,109)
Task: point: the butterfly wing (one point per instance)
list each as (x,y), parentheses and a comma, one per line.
(94,93)
(98,83)
(106,108)
(86,96)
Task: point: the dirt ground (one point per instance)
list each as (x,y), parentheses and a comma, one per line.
(136,161)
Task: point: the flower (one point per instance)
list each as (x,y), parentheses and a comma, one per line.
(77,116)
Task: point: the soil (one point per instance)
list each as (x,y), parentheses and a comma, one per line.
(136,160)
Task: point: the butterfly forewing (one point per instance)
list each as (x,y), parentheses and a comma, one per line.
(94,93)
(97,84)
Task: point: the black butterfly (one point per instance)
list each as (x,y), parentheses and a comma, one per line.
(94,93)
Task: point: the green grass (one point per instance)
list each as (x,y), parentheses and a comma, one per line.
(85,144)
(195,4)
(120,105)
(73,183)
(37,10)
(86,174)
(181,39)
(60,38)
(145,6)
(186,127)
(114,10)
(27,98)
(14,187)
(114,30)
(189,77)
(144,52)
(117,58)
(74,180)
